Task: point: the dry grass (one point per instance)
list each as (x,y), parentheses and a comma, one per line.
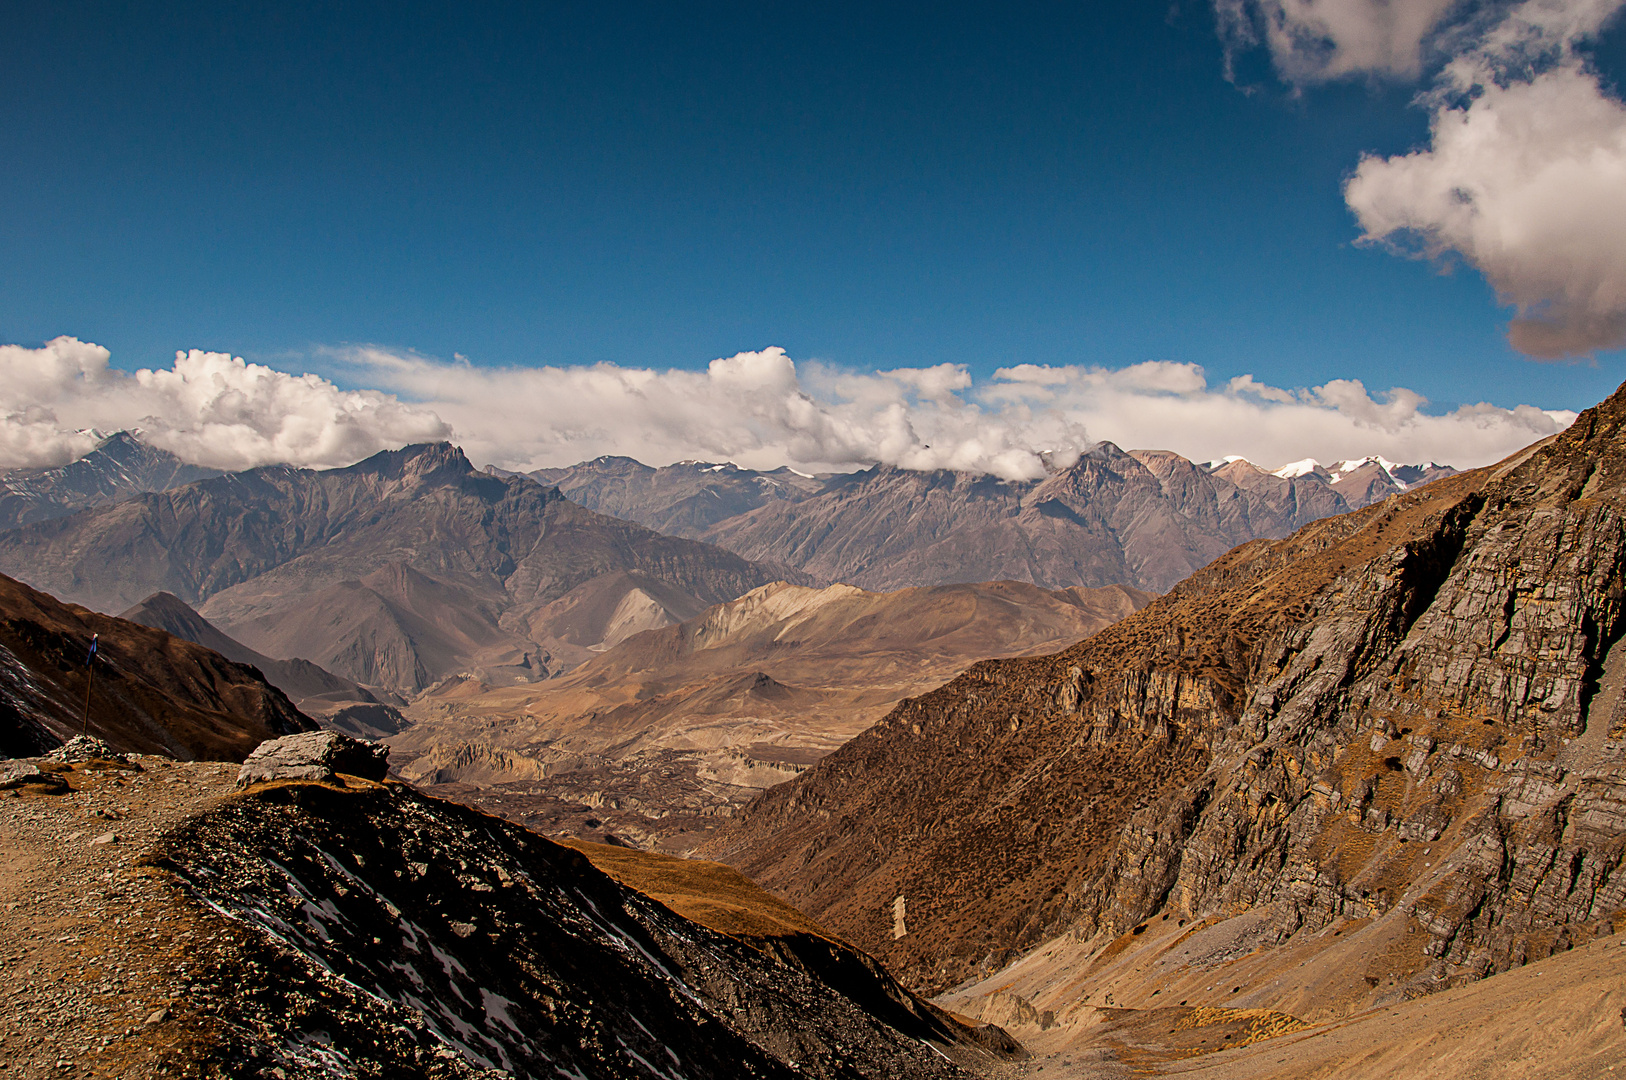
(716,896)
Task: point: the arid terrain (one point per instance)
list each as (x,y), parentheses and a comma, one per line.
(160,924)
(1321,810)
(658,738)
(1382,757)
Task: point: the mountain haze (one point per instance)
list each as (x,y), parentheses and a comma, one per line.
(683,499)
(655,738)
(1146,519)
(153,692)
(316,691)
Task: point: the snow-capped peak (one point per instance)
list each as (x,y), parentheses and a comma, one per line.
(1295,469)
(1344,468)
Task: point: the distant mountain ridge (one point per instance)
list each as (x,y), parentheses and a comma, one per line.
(120,466)
(395,572)
(317,692)
(682,499)
(1145,518)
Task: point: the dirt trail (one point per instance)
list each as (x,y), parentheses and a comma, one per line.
(93,947)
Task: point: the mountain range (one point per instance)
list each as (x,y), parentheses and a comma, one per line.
(411,567)
(1144,518)
(392,573)
(1376,760)
(119,466)
(1328,800)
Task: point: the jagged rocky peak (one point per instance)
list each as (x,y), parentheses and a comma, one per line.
(420,464)
(1395,740)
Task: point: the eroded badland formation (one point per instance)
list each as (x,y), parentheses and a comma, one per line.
(1345,802)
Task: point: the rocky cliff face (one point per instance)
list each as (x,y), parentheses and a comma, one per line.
(1412,712)
(393,572)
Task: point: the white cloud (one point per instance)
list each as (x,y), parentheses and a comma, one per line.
(762,410)
(208,408)
(759,409)
(1524,178)
(1314,41)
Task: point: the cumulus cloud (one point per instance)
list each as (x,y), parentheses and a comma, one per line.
(762,410)
(1524,178)
(208,408)
(1314,41)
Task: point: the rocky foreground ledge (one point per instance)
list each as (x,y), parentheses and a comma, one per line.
(160,922)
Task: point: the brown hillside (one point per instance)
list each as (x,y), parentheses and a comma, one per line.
(153,692)
(1284,733)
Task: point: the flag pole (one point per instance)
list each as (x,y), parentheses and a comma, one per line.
(90,677)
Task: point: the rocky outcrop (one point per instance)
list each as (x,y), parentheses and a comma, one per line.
(314,755)
(1411,708)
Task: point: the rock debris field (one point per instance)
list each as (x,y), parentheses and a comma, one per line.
(93,948)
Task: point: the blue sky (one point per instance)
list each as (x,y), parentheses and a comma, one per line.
(655,185)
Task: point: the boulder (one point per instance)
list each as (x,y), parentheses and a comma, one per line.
(314,755)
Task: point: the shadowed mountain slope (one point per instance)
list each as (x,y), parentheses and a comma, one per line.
(316,691)
(1398,731)
(153,692)
(522,956)
(394,572)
